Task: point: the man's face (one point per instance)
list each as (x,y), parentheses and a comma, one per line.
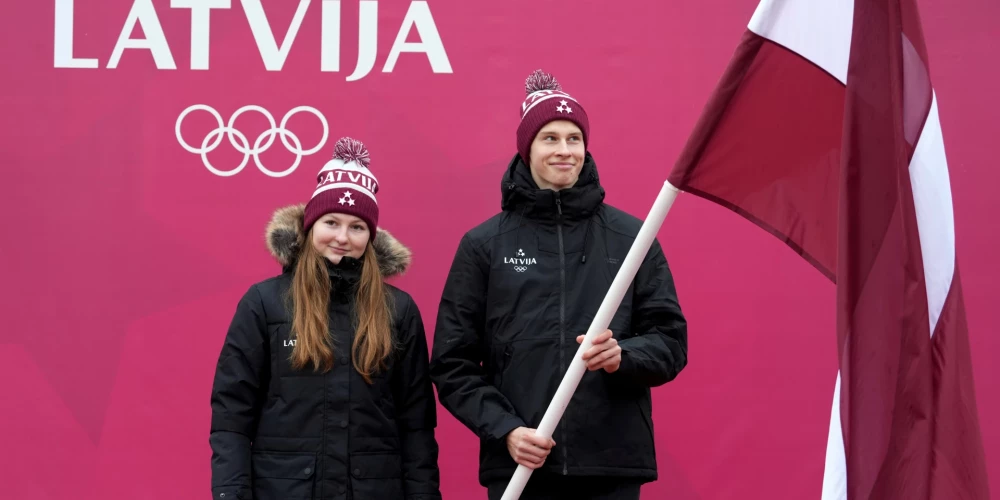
(557,155)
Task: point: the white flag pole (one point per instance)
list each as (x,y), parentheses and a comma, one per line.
(613,299)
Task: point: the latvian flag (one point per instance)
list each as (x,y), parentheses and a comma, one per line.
(824,131)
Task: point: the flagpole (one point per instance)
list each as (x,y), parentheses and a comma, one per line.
(613,299)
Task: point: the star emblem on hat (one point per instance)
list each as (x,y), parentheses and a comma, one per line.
(346,199)
(564,107)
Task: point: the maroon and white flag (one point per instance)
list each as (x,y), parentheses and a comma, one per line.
(824,131)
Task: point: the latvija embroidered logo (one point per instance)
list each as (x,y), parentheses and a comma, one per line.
(520,261)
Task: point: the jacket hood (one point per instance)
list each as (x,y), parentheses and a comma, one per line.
(285,235)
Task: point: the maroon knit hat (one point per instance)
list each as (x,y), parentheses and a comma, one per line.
(546,102)
(345,186)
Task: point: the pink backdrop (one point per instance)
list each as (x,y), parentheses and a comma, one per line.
(124,256)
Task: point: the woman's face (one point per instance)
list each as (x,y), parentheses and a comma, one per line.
(337,235)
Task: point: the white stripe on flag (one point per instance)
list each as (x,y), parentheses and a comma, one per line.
(931,186)
(818,30)
(835,474)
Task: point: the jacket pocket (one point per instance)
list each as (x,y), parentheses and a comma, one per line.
(377,475)
(230,493)
(502,364)
(288,476)
(500,355)
(647,421)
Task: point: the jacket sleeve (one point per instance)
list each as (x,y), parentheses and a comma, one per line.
(658,351)
(416,410)
(240,375)
(458,359)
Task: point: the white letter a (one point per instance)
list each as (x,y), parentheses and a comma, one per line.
(144,14)
(419,15)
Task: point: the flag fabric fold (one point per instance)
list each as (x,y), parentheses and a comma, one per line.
(824,131)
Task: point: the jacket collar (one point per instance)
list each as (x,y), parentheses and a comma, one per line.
(344,277)
(520,193)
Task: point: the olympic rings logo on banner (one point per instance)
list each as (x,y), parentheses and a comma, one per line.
(239,140)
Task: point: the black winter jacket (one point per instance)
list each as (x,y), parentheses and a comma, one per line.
(523,285)
(280,433)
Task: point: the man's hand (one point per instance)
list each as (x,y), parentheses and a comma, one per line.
(604,353)
(527,448)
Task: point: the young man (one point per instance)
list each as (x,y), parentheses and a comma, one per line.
(523,289)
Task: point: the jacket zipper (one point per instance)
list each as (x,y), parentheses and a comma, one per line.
(562,318)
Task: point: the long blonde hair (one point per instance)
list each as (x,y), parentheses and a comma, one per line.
(310,299)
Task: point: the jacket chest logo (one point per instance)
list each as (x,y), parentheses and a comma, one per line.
(290,342)
(520,261)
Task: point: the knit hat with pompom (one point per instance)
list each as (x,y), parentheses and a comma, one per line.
(546,101)
(345,186)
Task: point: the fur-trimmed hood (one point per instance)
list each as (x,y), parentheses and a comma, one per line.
(285,236)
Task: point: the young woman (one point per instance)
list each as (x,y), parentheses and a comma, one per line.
(321,389)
